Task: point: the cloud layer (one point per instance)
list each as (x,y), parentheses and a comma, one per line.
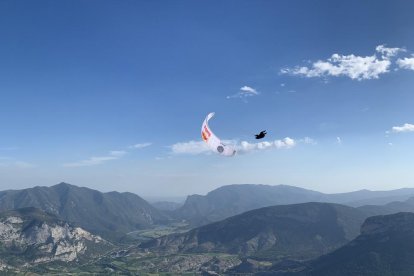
(285,143)
(353,66)
(243,147)
(190,147)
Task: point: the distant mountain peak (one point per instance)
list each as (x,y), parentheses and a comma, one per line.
(64,184)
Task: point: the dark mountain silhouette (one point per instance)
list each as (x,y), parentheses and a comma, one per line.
(103,213)
(385,247)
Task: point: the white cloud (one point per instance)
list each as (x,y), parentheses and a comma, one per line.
(140,146)
(406,63)
(285,143)
(247,147)
(191,147)
(352,66)
(338,140)
(245,91)
(403,128)
(388,52)
(248,90)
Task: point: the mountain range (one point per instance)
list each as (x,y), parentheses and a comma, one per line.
(297,231)
(114,214)
(109,214)
(231,200)
(241,229)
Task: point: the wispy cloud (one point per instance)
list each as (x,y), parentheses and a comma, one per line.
(97,160)
(387,52)
(403,128)
(284,89)
(22,164)
(339,140)
(308,140)
(248,90)
(245,91)
(112,155)
(17,164)
(94,160)
(352,66)
(117,153)
(6,161)
(140,146)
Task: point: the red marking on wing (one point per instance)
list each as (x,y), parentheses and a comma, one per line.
(207,130)
(204,136)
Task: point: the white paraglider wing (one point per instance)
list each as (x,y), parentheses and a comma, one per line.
(213,141)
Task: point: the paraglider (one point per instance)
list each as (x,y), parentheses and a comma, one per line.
(261,135)
(213,141)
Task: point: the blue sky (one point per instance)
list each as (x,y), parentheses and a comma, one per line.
(111,94)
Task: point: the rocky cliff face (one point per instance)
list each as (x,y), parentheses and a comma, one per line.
(385,247)
(29,236)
